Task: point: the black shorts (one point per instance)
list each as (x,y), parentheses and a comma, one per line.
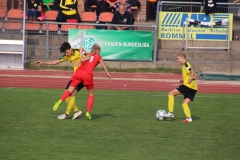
(187,92)
(79,86)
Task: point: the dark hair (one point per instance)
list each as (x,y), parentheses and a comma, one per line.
(65,46)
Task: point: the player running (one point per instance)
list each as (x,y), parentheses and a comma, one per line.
(85,74)
(188,88)
(73,56)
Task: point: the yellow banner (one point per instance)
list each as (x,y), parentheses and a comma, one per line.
(171,26)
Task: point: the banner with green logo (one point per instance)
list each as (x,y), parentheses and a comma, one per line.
(115,45)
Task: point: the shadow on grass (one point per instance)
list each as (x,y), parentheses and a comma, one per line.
(195,118)
(98,116)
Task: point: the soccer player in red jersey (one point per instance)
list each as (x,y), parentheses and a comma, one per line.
(85,74)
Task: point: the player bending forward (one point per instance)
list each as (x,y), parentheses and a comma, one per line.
(188,88)
(73,56)
(85,74)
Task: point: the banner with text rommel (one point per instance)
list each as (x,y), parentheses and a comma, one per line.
(115,45)
(171,26)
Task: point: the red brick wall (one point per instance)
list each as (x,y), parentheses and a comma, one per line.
(142,13)
(3,4)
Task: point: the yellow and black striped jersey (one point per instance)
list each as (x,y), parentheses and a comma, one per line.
(75,57)
(65,6)
(186,73)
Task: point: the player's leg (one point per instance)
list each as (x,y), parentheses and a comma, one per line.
(186,110)
(77,112)
(68,98)
(171,95)
(188,97)
(90,100)
(70,104)
(67,93)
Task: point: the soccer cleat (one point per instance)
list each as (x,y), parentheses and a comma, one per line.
(77,114)
(62,116)
(169,115)
(187,120)
(56,105)
(88,115)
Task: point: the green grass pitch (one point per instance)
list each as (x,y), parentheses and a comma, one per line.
(123,126)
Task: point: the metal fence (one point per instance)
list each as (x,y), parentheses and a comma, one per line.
(173,6)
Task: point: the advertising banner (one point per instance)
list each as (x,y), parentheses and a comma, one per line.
(115,45)
(171,25)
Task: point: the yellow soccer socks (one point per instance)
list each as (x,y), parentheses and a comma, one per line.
(170,103)
(71,104)
(186,110)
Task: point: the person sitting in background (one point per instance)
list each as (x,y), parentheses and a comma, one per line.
(9,4)
(34,9)
(98,3)
(124,2)
(109,3)
(127,7)
(236,1)
(122,17)
(68,10)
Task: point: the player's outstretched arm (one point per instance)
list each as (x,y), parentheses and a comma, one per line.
(105,68)
(49,62)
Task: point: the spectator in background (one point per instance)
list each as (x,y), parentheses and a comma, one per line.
(34,9)
(127,7)
(9,4)
(135,3)
(98,3)
(122,17)
(109,3)
(68,10)
(236,1)
(124,2)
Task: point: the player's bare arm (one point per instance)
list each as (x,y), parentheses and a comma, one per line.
(192,76)
(87,58)
(49,62)
(105,68)
(82,52)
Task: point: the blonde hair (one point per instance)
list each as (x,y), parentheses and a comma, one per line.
(181,54)
(95,47)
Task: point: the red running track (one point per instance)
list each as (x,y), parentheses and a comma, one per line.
(119,81)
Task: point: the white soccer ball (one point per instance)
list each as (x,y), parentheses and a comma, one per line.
(160,114)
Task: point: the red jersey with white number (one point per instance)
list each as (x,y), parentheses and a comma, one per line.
(84,73)
(89,65)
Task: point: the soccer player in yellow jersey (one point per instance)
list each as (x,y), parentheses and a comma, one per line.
(73,56)
(188,88)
